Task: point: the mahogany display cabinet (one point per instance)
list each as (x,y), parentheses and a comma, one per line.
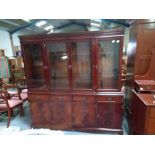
(74,80)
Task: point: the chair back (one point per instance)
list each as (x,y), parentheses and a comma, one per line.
(4,105)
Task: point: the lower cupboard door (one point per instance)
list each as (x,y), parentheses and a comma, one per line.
(84,115)
(54,115)
(109,115)
(61,115)
(35,113)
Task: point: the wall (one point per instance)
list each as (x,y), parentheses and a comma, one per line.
(5,43)
(16,41)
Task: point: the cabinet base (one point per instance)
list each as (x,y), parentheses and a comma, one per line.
(100,130)
(91,130)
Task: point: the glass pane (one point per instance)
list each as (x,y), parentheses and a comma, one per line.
(58,65)
(81,65)
(108,64)
(35,66)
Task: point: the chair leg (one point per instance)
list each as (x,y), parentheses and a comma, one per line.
(12,113)
(21,110)
(9,117)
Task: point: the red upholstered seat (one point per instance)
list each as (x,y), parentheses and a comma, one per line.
(15,92)
(23,96)
(24,90)
(14,103)
(8,104)
(3,106)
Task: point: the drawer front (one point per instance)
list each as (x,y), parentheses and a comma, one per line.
(38,97)
(60,98)
(152,112)
(110,99)
(83,98)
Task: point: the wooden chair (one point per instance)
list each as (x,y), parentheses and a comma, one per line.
(14,92)
(7,105)
(1,83)
(22,84)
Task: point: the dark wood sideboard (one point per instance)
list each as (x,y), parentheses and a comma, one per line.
(143,113)
(74,80)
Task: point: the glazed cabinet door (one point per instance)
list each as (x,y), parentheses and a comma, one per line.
(34,57)
(81,64)
(58,64)
(109,112)
(84,112)
(109,53)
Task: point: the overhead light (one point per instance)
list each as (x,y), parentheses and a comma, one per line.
(64,57)
(113,41)
(95,24)
(118,41)
(152,20)
(97,20)
(27,20)
(93,28)
(41,23)
(49,27)
(51,31)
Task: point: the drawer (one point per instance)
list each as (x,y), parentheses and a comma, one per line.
(38,97)
(60,98)
(152,112)
(83,98)
(110,99)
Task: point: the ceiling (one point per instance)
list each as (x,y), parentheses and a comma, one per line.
(24,26)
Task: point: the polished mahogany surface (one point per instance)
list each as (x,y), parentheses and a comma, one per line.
(144,85)
(141,53)
(148,99)
(146,82)
(150,73)
(143,113)
(74,79)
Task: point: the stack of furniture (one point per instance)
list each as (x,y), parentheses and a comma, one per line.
(143,102)
(8,104)
(74,80)
(141,62)
(11,97)
(4,69)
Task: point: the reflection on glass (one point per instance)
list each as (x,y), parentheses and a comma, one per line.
(81,65)
(58,62)
(108,71)
(35,65)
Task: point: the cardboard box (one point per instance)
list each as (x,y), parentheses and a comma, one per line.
(2,53)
